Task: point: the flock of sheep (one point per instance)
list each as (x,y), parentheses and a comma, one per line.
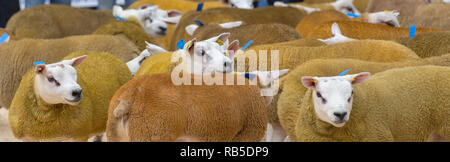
(319,70)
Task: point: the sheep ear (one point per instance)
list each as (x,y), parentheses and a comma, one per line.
(223,37)
(278,74)
(359,78)
(230,25)
(233,47)
(77,61)
(309,82)
(190,46)
(190,29)
(173,17)
(40,68)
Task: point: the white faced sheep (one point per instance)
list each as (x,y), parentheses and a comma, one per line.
(16,57)
(68,100)
(288,101)
(57,21)
(153,20)
(279,15)
(207,56)
(211,112)
(343,6)
(407,104)
(243,4)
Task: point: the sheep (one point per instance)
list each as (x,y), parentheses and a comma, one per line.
(152,19)
(310,22)
(303,42)
(362,30)
(437,16)
(343,6)
(428,44)
(17,56)
(51,104)
(406,104)
(281,15)
(291,90)
(273,32)
(217,61)
(131,30)
(241,107)
(407,8)
(361,5)
(57,21)
(243,4)
(424,45)
(289,57)
(180,5)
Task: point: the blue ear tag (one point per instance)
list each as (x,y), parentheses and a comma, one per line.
(4,37)
(262,3)
(250,76)
(200,6)
(412,31)
(38,63)
(120,18)
(198,22)
(248,44)
(353,15)
(180,44)
(344,72)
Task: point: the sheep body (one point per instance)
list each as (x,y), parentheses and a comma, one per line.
(428,44)
(430,15)
(209,113)
(406,104)
(362,30)
(155,64)
(18,56)
(130,30)
(370,50)
(56,21)
(273,33)
(293,91)
(281,15)
(100,75)
(180,5)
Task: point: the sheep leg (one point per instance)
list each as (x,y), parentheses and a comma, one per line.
(278,134)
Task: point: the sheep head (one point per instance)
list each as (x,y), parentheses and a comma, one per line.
(333,96)
(57,83)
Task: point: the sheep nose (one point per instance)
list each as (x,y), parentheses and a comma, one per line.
(340,115)
(163,28)
(76,93)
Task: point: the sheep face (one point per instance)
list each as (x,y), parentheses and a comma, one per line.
(345,6)
(333,96)
(57,83)
(243,4)
(210,56)
(385,17)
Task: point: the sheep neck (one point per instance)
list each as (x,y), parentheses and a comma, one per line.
(318,125)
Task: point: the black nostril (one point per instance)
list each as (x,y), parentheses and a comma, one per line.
(76,93)
(340,115)
(163,28)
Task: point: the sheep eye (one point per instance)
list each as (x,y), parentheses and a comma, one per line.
(350,9)
(324,100)
(319,95)
(203,53)
(349,99)
(53,80)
